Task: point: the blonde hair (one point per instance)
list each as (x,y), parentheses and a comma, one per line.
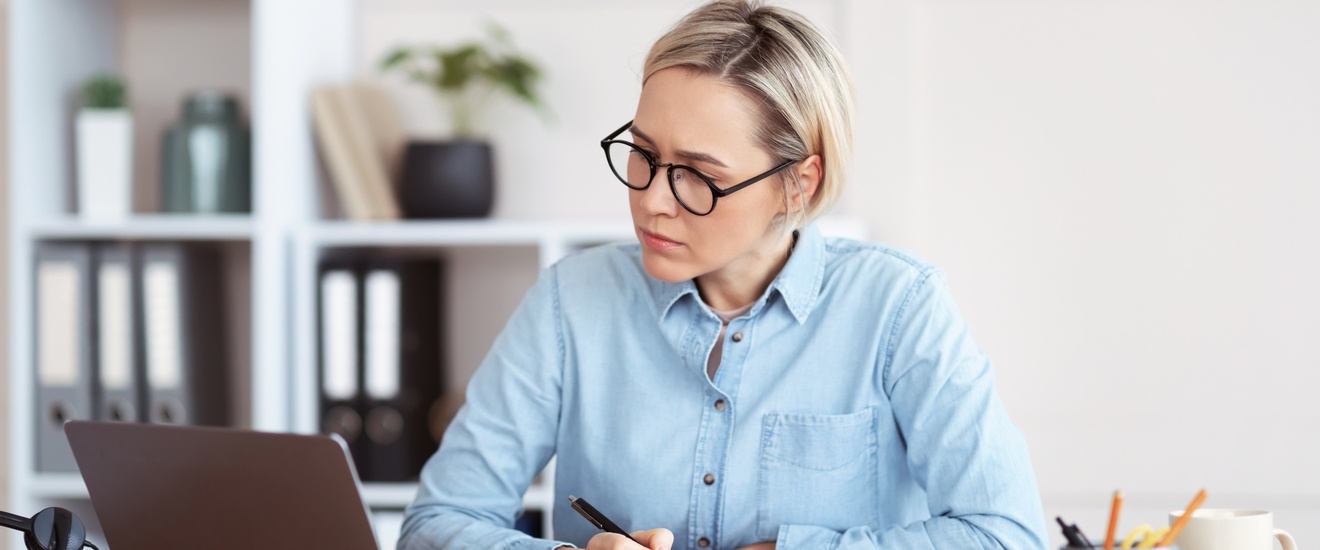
(786,66)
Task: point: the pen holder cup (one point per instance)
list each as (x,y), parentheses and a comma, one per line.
(1116,546)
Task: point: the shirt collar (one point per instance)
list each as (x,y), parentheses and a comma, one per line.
(798,282)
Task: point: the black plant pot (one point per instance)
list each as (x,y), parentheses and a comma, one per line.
(447,179)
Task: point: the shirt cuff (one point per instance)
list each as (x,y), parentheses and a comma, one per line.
(794,537)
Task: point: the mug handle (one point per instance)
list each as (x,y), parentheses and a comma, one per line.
(1285,539)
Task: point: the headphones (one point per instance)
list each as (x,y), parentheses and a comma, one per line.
(51,529)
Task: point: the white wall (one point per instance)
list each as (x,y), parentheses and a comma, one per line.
(1121,192)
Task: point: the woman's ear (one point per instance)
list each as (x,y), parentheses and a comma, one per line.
(809,174)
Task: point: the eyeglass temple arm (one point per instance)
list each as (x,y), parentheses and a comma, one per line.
(726,192)
(616,133)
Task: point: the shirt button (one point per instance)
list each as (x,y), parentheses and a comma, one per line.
(719,404)
(703,542)
(737,337)
(709,479)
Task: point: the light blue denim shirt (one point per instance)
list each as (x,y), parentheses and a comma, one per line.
(851,409)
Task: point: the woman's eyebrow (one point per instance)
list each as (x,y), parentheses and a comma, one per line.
(689,155)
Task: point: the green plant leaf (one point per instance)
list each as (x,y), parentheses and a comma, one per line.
(518,77)
(458,67)
(104,91)
(395,57)
(499,34)
(463,76)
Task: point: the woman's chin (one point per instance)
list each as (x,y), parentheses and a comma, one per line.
(665,269)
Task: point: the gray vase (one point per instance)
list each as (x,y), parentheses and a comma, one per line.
(206,162)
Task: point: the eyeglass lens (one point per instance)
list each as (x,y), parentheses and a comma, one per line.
(633,167)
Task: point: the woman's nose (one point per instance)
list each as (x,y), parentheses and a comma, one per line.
(657,198)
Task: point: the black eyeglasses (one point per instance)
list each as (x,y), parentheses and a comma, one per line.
(636,169)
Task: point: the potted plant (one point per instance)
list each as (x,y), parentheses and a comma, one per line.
(455,178)
(104,149)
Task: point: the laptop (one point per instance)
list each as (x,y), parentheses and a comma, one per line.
(158,487)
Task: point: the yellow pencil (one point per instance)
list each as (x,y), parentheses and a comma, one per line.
(1113,520)
(1182,521)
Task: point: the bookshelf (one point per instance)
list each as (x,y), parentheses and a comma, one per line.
(270,54)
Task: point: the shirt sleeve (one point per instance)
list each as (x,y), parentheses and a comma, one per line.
(962,448)
(471,490)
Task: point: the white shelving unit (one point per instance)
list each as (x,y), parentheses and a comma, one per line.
(269,53)
(286,47)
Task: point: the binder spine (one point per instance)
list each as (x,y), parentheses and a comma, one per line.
(182,304)
(64,349)
(403,367)
(339,348)
(116,387)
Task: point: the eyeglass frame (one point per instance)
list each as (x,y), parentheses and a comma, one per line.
(715,191)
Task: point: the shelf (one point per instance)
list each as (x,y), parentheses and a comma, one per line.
(486,232)
(149,226)
(58,486)
(388,495)
(400,495)
(497,232)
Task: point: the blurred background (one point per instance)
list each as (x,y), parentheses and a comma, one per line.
(1122,193)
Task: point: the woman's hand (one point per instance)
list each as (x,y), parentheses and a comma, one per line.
(760,546)
(655,539)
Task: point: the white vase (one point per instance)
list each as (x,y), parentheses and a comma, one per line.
(105,163)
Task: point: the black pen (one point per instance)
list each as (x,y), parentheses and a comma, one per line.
(1086,541)
(598,519)
(1074,535)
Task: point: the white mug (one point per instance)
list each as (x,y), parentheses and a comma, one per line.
(1231,529)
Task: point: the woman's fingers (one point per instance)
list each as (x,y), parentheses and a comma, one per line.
(655,539)
(611,541)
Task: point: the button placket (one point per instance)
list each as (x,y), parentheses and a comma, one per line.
(715,439)
(707,487)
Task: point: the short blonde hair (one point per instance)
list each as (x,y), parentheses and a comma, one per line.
(791,70)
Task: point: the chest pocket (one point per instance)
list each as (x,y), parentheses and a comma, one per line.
(817,470)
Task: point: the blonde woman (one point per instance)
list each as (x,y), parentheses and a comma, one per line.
(736,380)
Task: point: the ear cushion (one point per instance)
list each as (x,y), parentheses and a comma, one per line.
(56,529)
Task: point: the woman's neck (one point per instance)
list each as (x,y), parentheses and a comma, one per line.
(745,279)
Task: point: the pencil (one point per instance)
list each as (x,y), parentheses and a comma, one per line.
(1113,520)
(1182,521)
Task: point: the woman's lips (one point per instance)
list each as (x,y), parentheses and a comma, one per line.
(658,242)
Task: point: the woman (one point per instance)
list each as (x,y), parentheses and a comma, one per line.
(736,380)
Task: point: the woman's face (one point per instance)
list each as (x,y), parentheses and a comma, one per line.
(694,120)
